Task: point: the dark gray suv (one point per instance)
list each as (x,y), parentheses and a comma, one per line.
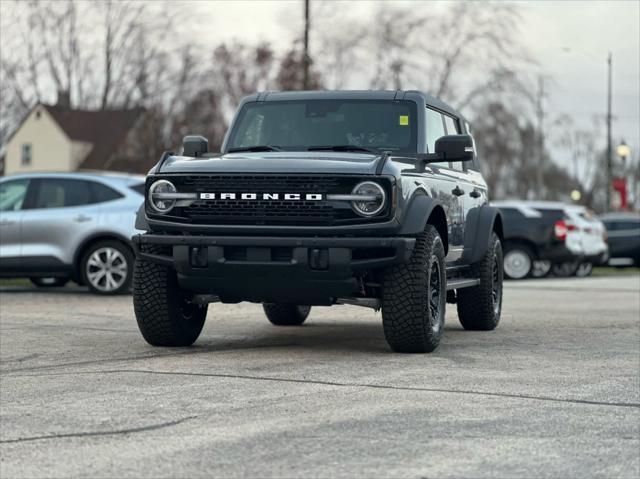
(319,198)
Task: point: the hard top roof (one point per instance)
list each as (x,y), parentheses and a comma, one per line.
(414,95)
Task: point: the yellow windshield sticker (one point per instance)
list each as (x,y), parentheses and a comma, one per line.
(404,120)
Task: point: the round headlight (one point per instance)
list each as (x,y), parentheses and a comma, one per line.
(376,198)
(155,196)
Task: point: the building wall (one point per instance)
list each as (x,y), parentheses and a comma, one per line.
(79,151)
(51,149)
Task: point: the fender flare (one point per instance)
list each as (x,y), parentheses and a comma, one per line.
(481,222)
(418,212)
(77,255)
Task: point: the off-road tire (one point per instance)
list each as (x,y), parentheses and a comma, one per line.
(479,307)
(49,282)
(282,314)
(408,319)
(164,314)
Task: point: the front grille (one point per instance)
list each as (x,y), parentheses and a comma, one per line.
(270,212)
(264,183)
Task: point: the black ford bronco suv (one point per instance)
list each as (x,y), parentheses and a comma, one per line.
(369,198)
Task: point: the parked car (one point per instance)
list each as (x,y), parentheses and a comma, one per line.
(623,230)
(539,237)
(370,198)
(593,235)
(56,227)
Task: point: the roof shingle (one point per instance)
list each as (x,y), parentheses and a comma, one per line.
(105,130)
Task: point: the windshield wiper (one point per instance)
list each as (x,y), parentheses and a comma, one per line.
(255,148)
(342,148)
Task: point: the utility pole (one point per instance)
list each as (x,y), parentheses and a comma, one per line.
(609,141)
(540,118)
(306,60)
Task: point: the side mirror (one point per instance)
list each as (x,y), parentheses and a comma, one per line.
(455,148)
(194,145)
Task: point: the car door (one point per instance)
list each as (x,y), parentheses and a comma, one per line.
(59,216)
(447,186)
(12,197)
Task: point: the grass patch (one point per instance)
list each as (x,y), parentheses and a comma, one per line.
(15,282)
(610,271)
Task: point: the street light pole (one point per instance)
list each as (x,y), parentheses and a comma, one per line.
(305,59)
(540,146)
(609,141)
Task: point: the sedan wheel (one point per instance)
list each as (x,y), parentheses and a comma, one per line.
(107,267)
(517,263)
(541,268)
(564,270)
(49,282)
(584,270)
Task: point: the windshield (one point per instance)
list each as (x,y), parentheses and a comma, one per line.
(340,125)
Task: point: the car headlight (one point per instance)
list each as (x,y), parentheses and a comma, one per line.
(162,196)
(374,198)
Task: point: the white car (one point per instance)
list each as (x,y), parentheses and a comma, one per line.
(592,234)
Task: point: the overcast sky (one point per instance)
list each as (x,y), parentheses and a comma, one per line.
(569,39)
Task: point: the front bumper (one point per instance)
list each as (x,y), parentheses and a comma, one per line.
(560,253)
(302,270)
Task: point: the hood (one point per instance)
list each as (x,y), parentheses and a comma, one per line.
(276,162)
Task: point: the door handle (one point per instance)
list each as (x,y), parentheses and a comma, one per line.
(82,218)
(457,191)
(475,194)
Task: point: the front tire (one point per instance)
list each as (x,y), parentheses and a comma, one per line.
(414,297)
(282,314)
(107,267)
(479,307)
(163,311)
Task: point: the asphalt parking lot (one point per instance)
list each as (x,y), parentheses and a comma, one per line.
(553,392)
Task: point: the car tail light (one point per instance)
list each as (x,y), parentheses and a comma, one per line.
(561,228)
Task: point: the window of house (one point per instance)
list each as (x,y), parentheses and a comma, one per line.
(25,156)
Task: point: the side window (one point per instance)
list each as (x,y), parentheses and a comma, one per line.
(138,188)
(62,193)
(453,128)
(435,129)
(629,225)
(472,165)
(452,125)
(12,194)
(102,193)
(25,154)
